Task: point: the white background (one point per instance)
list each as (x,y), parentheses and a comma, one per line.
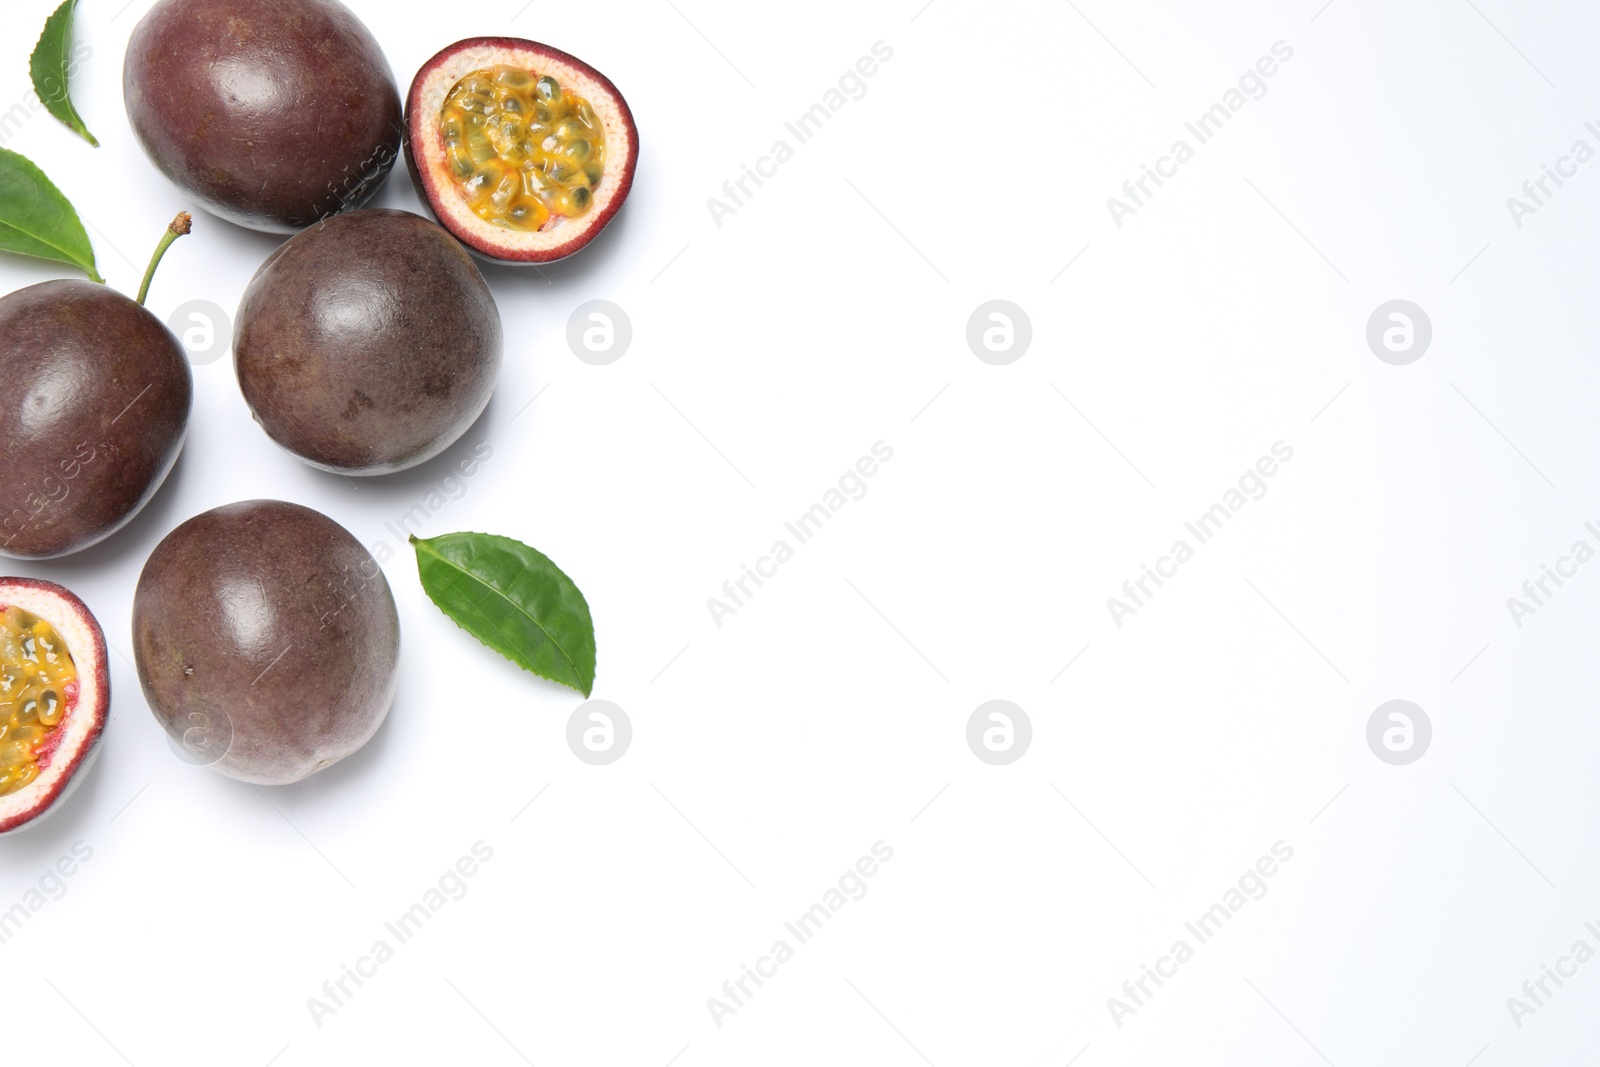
(829,713)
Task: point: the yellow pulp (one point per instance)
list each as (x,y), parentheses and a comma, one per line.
(38,684)
(522,150)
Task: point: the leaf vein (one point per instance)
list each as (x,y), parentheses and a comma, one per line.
(73,257)
(517,608)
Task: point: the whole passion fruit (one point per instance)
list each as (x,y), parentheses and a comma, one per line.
(271,114)
(368,343)
(55,695)
(521,151)
(92,416)
(266,641)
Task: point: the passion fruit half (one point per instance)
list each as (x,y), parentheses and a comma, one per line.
(266,640)
(55,695)
(520,150)
(271,113)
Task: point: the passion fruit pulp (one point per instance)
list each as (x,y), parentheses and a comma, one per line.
(368,343)
(266,641)
(524,152)
(271,114)
(520,150)
(55,696)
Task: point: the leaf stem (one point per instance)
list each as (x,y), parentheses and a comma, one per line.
(179,226)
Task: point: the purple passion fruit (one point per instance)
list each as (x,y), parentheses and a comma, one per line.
(92,417)
(55,695)
(521,151)
(266,641)
(271,114)
(368,343)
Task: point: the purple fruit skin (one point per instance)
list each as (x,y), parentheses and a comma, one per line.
(272,113)
(368,343)
(268,625)
(93,413)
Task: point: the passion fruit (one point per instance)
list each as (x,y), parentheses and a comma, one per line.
(271,115)
(368,343)
(521,151)
(55,695)
(266,640)
(93,411)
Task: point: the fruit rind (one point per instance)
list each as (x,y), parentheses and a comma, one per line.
(369,343)
(271,115)
(276,627)
(427,158)
(117,389)
(84,727)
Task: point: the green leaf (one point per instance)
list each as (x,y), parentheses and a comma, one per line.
(51,65)
(513,599)
(37,220)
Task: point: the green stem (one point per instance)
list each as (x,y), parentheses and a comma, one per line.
(179,227)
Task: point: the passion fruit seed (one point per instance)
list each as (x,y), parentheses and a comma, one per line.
(524,152)
(38,686)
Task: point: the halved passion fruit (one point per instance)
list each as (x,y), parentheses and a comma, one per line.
(55,694)
(521,151)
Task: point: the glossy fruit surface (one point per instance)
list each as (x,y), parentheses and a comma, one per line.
(266,641)
(368,343)
(523,152)
(94,402)
(271,113)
